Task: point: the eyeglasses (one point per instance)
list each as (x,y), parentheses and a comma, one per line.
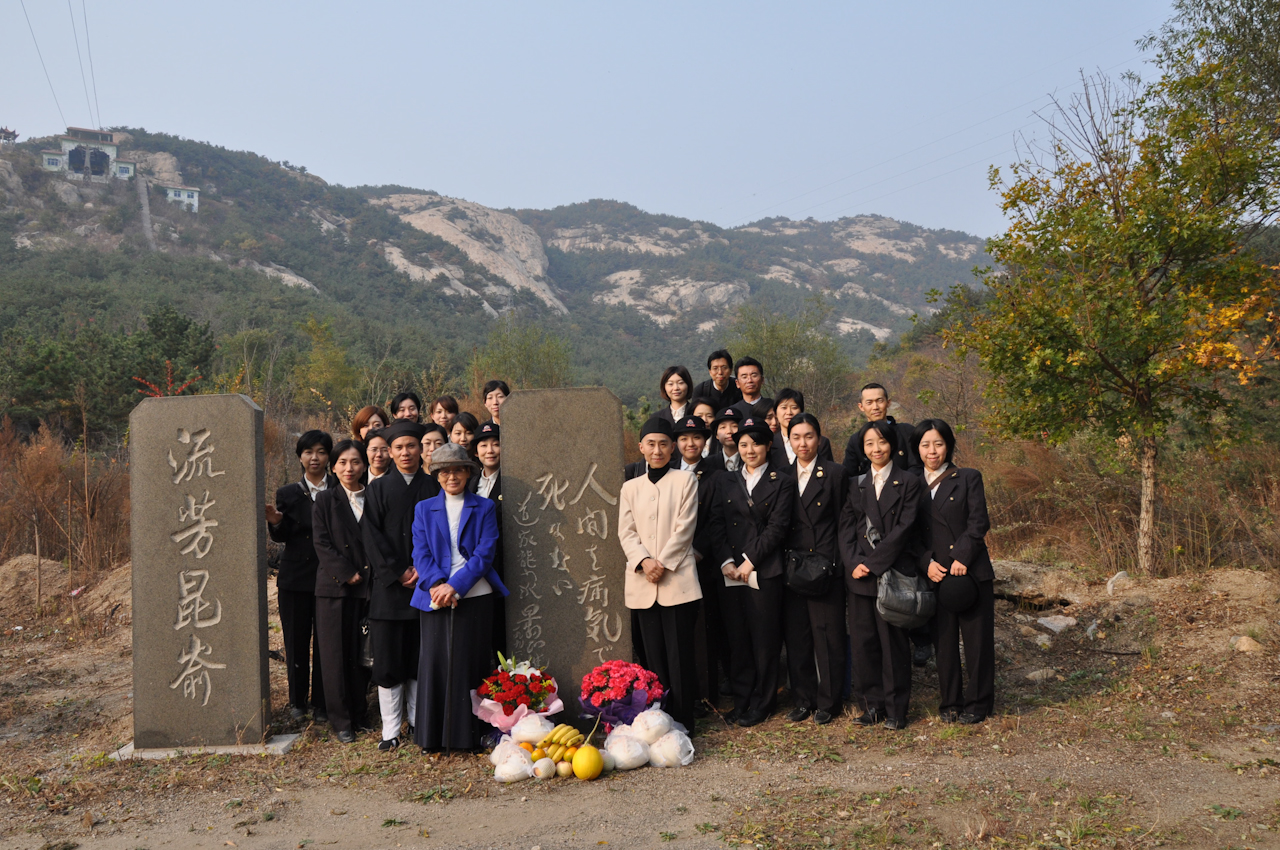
(453,471)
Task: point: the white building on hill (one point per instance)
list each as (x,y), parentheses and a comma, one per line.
(88,154)
(188,196)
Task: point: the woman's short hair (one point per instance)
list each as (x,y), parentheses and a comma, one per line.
(684,376)
(763,408)
(363,415)
(402,397)
(694,402)
(467,421)
(495,384)
(924,426)
(886,431)
(448,402)
(313,438)
(786,393)
(437,428)
(344,446)
(805,419)
(757,436)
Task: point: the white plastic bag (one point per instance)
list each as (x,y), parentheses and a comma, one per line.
(629,753)
(500,752)
(673,749)
(517,766)
(622,731)
(651,724)
(531,729)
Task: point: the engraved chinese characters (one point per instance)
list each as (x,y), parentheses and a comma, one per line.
(199,572)
(561,471)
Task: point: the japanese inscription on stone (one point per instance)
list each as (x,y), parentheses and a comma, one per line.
(565,569)
(199,572)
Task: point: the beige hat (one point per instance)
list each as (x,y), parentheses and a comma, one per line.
(451,455)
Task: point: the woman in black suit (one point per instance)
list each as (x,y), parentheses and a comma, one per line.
(813,626)
(955,554)
(750,523)
(675,387)
(342,589)
(878,532)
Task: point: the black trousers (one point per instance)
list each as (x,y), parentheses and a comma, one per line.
(753,623)
(468,631)
(395,651)
(881,659)
(713,653)
(813,628)
(346,682)
(668,635)
(297,624)
(978,627)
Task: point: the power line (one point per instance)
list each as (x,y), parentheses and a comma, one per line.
(92,75)
(42,65)
(80,59)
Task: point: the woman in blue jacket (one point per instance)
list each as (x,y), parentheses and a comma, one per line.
(455,538)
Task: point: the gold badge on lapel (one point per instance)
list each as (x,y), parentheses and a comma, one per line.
(819,473)
(895,484)
(773,476)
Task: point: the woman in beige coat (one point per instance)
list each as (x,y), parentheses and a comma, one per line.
(657,517)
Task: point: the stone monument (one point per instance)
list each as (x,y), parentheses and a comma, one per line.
(562,465)
(199,573)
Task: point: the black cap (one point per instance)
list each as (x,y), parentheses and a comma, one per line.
(656,425)
(692,425)
(755,425)
(403,428)
(729,414)
(957,594)
(487,431)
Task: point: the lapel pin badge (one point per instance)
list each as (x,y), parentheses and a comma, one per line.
(773,476)
(819,473)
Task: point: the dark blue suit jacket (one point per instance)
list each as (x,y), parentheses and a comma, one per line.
(432,554)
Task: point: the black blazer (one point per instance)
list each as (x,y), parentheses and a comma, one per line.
(708,472)
(339,539)
(719,400)
(388,540)
(906,459)
(815,522)
(955,524)
(495,496)
(894,515)
(665,413)
(298,561)
(753,526)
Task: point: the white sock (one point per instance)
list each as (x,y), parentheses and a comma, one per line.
(411,698)
(390,702)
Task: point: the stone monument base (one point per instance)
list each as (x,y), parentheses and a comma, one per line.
(276,745)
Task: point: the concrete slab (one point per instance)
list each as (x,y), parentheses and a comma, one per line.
(276,745)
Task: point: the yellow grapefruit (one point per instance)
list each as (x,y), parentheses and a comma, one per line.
(587,763)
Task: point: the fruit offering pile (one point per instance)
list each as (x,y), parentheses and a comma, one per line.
(564,752)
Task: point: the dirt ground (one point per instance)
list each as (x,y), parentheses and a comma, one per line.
(1150,730)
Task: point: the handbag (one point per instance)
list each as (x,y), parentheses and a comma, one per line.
(907,602)
(366,644)
(809,574)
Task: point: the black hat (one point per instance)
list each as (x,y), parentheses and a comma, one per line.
(729,414)
(692,425)
(403,428)
(656,425)
(957,594)
(755,425)
(487,431)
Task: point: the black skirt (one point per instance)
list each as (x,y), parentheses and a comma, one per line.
(472,643)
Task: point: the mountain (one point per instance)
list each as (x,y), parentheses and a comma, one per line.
(413,278)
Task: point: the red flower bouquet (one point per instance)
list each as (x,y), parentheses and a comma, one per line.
(513,691)
(617,691)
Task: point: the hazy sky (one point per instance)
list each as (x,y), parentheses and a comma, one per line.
(727,112)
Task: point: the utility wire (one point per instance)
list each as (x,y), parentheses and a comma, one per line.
(80,59)
(92,75)
(42,65)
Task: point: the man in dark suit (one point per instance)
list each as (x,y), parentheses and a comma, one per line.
(487,446)
(750,377)
(720,389)
(393,622)
(289,522)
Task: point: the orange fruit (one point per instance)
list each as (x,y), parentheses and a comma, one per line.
(569,754)
(526,746)
(539,754)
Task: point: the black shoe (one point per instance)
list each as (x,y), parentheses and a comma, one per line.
(700,710)
(922,654)
(731,716)
(752,718)
(870,717)
(970,719)
(411,731)
(895,724)
(822,718)
(799,714)
(320,717)
(297,712)
(347,737)
(949,715)
(275,655)
(389,745)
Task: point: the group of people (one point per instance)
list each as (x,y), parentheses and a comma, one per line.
(742,538)
(385,533)
(739,516)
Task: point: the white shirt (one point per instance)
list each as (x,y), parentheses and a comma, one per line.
(677,413)
(685,465)
(753,478)
(356,498)
(879,477)
(453,510)
(803,472)
(485,485)
(313,490)
(791,454)
(373,478)
(732,462)
(933,479)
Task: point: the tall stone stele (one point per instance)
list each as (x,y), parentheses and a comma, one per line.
(562,470)
(199,572)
